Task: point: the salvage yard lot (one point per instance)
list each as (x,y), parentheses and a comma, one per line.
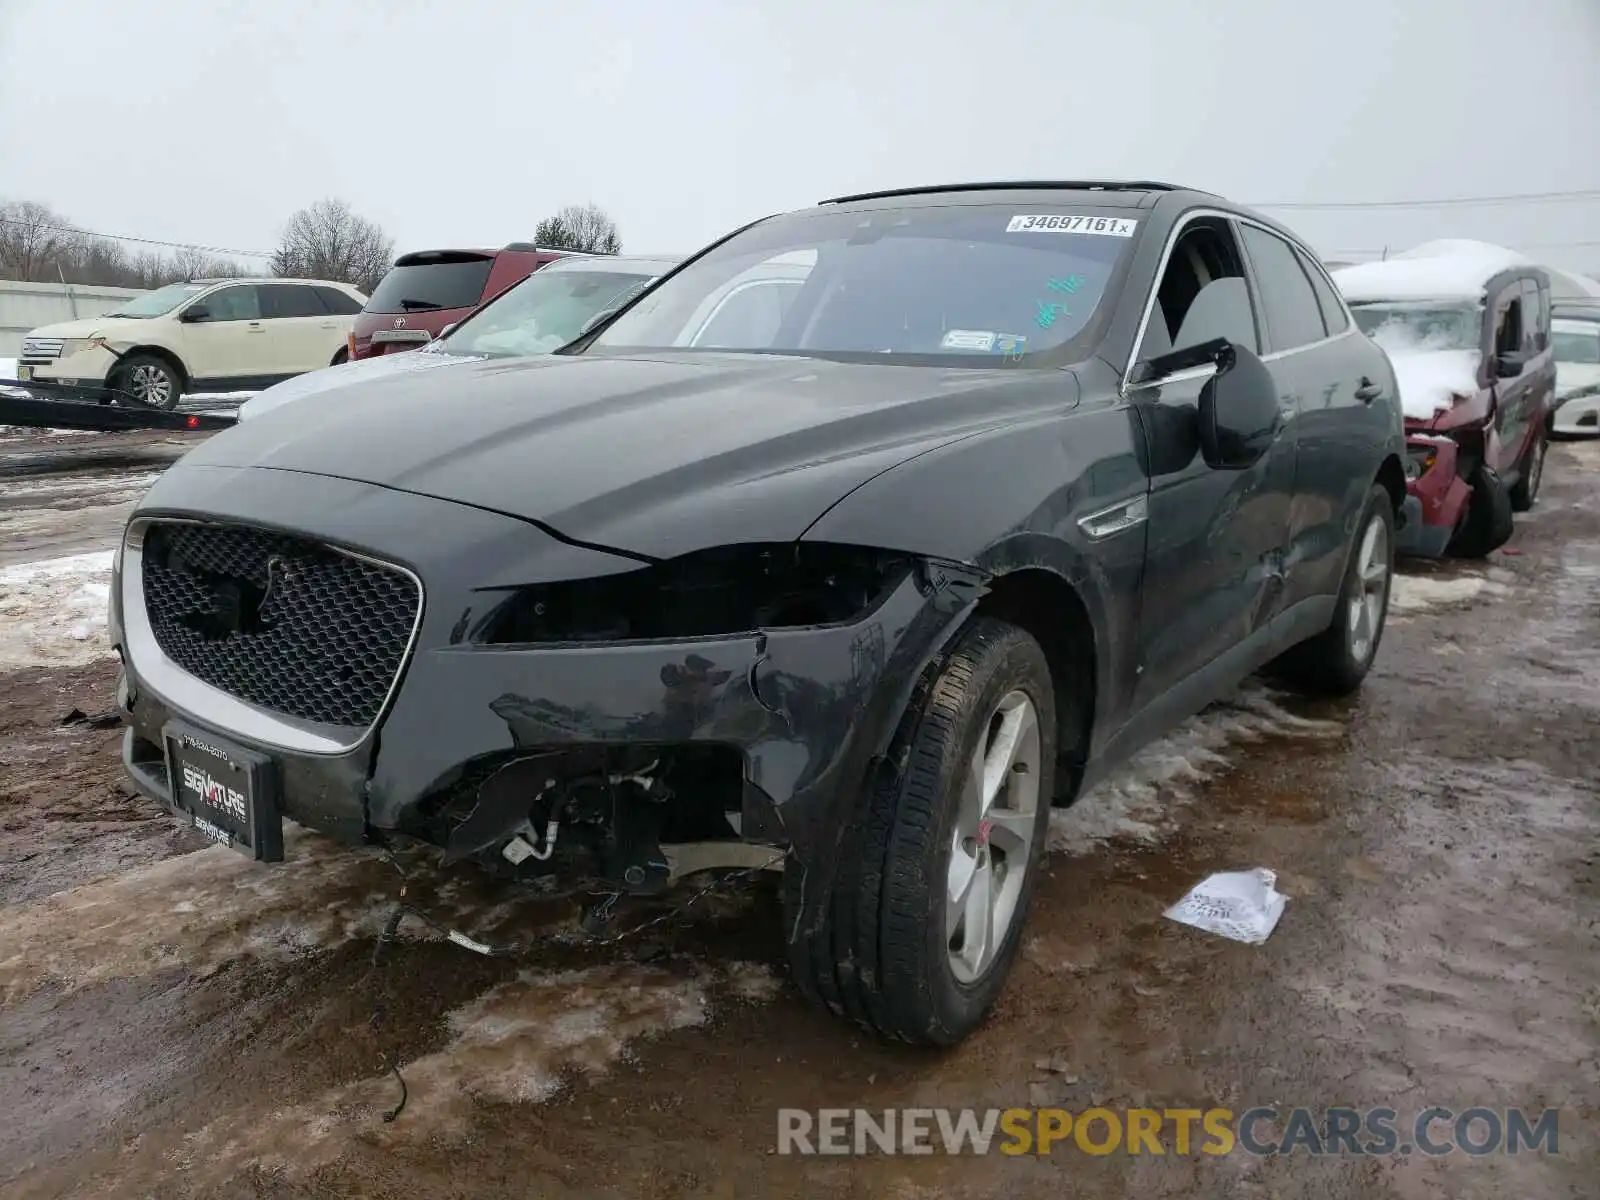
(175,1020)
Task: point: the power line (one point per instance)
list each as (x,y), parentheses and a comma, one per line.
(114,237)
(1442,202)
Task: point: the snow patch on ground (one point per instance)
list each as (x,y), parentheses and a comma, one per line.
(522,1041)
(1143,799)
(53,612)
(1427,593)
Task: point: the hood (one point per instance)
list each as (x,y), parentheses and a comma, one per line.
(652,456)
(1429,380)
(327,379)
(1576,379)
(86,327)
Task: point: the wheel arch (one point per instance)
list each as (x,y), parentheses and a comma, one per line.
(1051,610)
(169,356)
(1392,476)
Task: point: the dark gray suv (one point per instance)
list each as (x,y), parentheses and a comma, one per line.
(857,541)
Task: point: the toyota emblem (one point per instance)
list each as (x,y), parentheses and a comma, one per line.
(399,322)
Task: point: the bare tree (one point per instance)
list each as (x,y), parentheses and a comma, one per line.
(32,240)
(327,240)
(40,246)
(579,227)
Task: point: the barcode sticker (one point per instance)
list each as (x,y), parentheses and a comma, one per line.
(1122,227)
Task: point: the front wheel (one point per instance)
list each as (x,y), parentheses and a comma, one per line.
(926,912)
(150,381)
(1335,661)
(1487,522)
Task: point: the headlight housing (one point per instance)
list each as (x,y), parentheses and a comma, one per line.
(1420,460)
(71,346)
(710,593)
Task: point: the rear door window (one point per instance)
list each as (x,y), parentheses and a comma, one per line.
(1332,311)
(283,300)
(446,282)
(337,302)
(1294,318)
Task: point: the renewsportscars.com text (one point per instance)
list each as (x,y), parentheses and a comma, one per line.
(1258,1131)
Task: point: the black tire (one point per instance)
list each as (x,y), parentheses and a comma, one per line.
(1335,661)
(1488,522)
(148,380)
(880,953)
(1526,492)
(343,356)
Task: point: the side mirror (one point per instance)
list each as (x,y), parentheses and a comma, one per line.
(1154,370)
(195,312)
(1239,416)
(1509,366)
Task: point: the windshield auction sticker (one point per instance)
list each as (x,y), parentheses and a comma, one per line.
(1066,223)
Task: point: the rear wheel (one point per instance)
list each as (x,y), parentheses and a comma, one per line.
(1526,494)
(150,381)
(1335,661)
(926,912)
(342,356)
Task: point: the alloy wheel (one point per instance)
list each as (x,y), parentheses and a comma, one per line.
(150,384)
(1371,594)
(992,844)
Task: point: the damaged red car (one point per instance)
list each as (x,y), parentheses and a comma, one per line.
(1467,327)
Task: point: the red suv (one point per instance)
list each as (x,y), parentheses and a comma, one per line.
(428,290)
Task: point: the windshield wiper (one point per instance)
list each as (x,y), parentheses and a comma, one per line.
(411,305)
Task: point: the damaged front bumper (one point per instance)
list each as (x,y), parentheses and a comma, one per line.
(1436,496)
(473,732)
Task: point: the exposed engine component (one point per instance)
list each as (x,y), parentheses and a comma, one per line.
(599,814)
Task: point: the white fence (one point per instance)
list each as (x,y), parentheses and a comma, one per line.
(26,306)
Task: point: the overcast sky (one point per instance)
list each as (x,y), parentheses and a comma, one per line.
(464,122)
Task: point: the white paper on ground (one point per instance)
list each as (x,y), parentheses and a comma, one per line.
(1242,905)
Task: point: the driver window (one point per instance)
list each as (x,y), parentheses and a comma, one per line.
(233,304)
(1202,294)
(750,315)
(1508,332)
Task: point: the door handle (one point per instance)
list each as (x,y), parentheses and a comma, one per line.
(1368,391)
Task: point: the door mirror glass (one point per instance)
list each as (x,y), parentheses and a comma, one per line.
(1239,415)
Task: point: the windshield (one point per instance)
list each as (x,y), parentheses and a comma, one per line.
(428,286)
(542,313)
(969,285)
(160,301)
(1423,325)
(1576,346)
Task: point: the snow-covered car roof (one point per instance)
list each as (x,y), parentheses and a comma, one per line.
(1448,269)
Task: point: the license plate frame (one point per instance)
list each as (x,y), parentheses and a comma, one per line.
(228,793)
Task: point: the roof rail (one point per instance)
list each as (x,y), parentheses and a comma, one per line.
(531,248)
(1072,185)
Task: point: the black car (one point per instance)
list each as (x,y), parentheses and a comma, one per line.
(867,534)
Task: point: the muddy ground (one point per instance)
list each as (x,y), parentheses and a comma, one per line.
(177,1021)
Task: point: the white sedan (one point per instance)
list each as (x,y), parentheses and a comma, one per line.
(1577,348)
